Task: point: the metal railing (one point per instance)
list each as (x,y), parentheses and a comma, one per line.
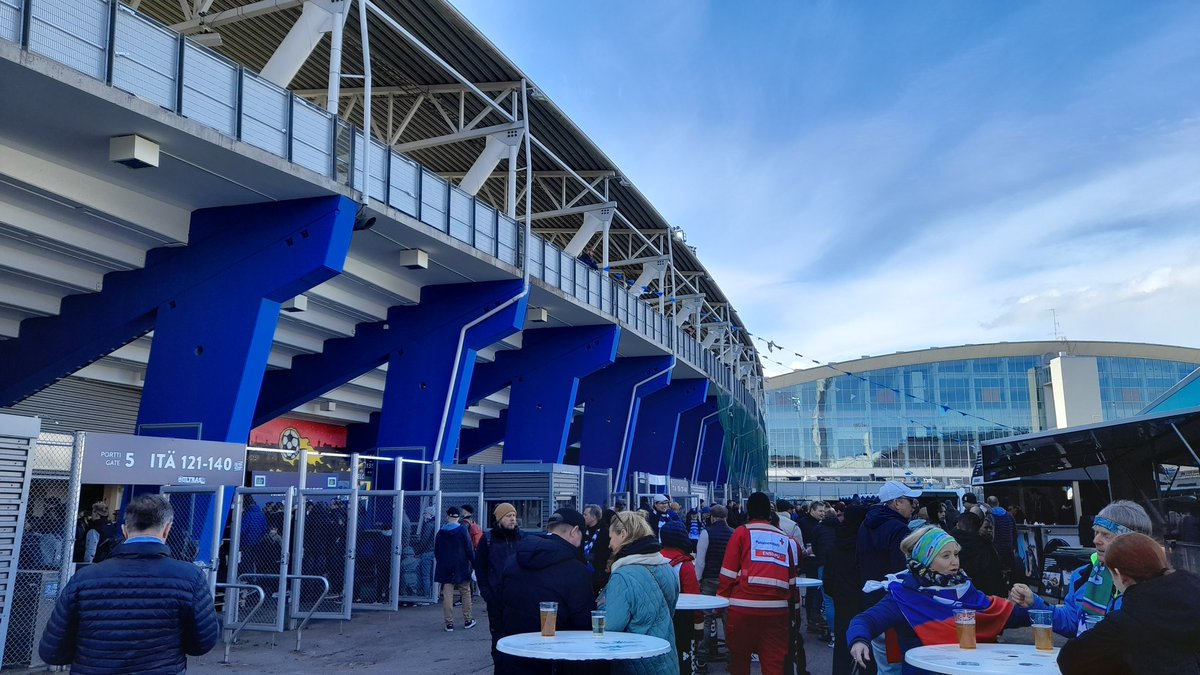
(231,632)
(108,41)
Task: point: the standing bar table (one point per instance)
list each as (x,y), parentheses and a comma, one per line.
(691,602)
(986,659)
(581,645)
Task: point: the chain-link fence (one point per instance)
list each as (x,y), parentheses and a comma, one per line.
(377,549)
(420,520)
(53,538)
(325,526)
(260,538)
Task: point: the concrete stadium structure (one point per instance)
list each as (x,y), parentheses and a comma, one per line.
(921,414)
(195,241)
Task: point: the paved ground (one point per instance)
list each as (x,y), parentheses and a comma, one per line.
(412,640)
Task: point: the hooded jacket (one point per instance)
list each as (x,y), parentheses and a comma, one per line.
(879,546)
(546,568)
(454,554)
(1155,632)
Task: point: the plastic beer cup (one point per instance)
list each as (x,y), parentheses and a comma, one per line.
(549,617)
(1042,620)
(1089,622)
(964,625)
(598,623)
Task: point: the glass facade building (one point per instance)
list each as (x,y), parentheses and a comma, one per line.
(924,412)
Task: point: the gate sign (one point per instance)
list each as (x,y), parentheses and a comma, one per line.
(150,460)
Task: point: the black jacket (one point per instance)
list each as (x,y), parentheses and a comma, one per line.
(496,547)
(544,568)
(454,554)
(879,546)
(1155,632)
(979,560)
(824,536)
(139,611)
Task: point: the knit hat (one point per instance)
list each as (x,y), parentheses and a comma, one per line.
(674,535)
(566,516)
(930,544)
(503,509)
(758,506)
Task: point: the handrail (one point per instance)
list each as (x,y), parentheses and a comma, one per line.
(231,633)
(297,577)
(320,599)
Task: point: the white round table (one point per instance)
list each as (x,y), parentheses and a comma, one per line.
(987,659)
(805,582)
(694,602)
(690,601)
(580,645)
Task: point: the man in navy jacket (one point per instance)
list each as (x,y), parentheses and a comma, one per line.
(140,611)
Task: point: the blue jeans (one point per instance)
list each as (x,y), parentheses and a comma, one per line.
(828,608)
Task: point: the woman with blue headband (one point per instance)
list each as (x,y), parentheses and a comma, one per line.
(1091,594)
(921,601)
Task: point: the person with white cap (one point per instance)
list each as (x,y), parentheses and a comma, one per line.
(662,513)
(879,554)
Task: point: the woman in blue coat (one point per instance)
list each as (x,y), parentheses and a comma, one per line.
(641,592)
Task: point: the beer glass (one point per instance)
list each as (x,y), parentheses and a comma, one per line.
(1043,621)
(549,617)
(598,623)
(964,625)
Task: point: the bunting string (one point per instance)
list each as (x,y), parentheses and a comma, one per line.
(773,346)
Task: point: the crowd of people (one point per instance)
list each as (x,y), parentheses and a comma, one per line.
(893,568)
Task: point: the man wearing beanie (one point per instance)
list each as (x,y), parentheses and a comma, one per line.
(497,545)
(758,576)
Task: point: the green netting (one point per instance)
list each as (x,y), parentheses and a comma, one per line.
(745,445)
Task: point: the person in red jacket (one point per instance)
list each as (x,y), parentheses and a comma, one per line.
(675,547)
(758,576)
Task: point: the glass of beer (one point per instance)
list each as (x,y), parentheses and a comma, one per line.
(549,617)
(1043,621)
(964,625)
(598,623)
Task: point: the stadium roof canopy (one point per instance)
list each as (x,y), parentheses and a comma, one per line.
(415,98)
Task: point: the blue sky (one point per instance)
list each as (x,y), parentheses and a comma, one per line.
(869,177)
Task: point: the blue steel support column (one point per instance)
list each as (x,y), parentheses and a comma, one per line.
(658,425)
(429,379)
(687,442)
(212,337)
(611,399)
(544,375)
(712,439)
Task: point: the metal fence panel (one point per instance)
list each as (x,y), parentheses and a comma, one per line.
(264,114)
(10,20)
(377,550)
(323,547)
(312,137)
(73,33)
(377,168)
(485,228)
(420,521)
(460,215)
(197,514)
(403,177)
(359,160)
(209,89)
(259,540)
(433,200)
(47,547)
(507,235)
(145,58)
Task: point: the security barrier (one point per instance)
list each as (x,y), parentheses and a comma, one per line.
(260,537)
(419,525)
